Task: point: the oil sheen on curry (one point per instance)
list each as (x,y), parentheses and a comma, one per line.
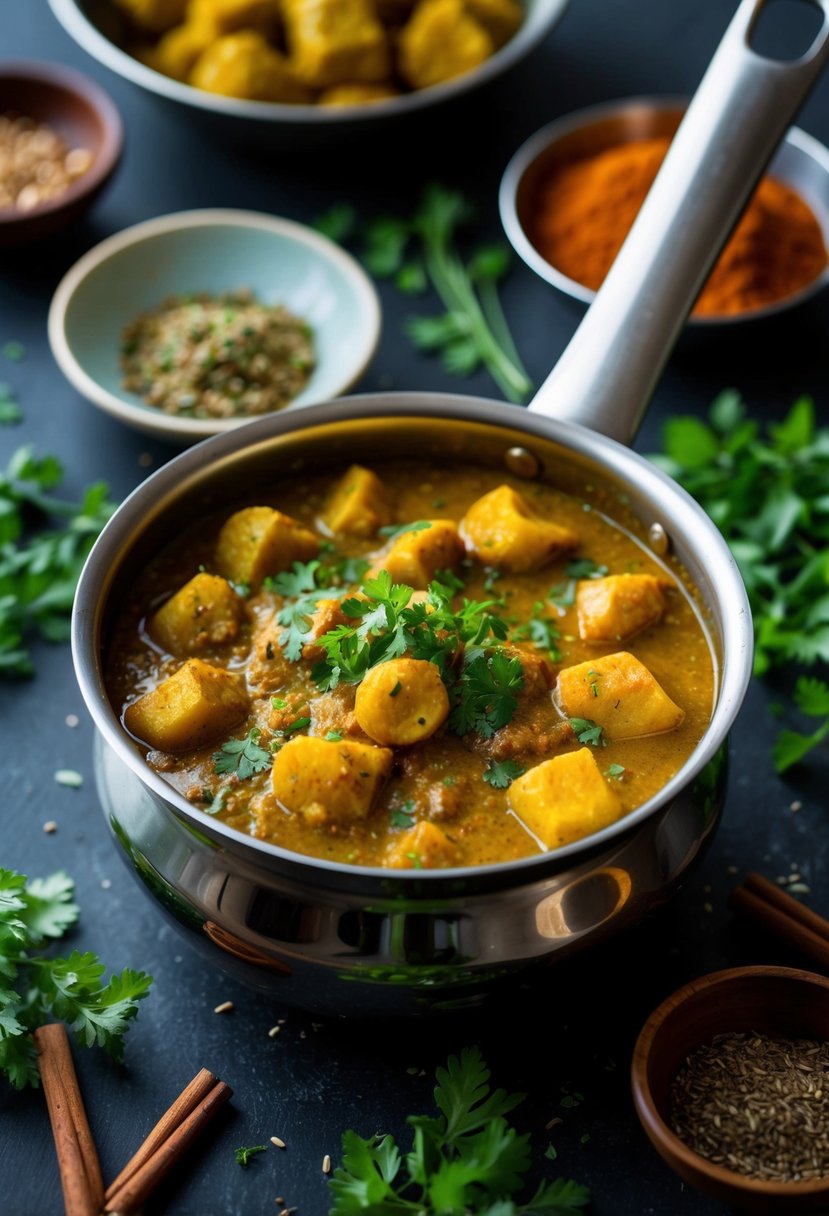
(414,668)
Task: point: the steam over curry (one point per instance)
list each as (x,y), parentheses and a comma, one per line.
(411,667)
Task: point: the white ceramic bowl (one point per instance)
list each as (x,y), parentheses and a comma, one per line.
(94,24)
(215,251)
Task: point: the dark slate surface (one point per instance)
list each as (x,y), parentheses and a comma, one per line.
(315,1080)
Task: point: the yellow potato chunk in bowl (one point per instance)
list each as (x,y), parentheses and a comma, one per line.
(259,541)
(155,16)
(423,847)
(618,607)
(335,42)
(358,505)
(441,41)
(416,556)
(502,529)
(205,612)
(618,693)
(564,799)
(402,702)
(326,781)
(189,709)
(244,65)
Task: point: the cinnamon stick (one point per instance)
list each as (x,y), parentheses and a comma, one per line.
(775,914)
(80,1170)
(139,1187)
(773,894)
(177,1112)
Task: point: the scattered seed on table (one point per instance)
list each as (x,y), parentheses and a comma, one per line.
(326,1164)
(50,826)
(106,883)
(72,720)
(795,807)
(274,1031)
(145,460)
(225,1007)
(69,778)
(276,1141)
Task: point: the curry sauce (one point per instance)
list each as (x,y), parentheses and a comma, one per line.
(272,689)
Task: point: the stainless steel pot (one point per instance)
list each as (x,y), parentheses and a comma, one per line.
(356,939)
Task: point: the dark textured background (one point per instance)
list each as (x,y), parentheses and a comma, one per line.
(316,1080)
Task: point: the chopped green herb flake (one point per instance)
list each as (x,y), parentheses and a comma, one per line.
(501,773)
(244,757)
(396,689)
(333,736)
(245,1155)
(588,732)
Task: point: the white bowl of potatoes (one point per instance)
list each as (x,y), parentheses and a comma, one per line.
(307,63)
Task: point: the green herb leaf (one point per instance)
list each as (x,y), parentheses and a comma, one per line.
(244,1155)
(401,816)
(338,224)
(392,531)
(501,773)
(244,757)
(588,732)
(615,772)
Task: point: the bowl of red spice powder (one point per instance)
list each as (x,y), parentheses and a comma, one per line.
(730,1081)
(570,194)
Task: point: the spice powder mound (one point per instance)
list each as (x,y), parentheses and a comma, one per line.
(756,1105)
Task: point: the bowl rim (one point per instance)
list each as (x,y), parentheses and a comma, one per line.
(149,418)
(534,28)
(70,81)
(659,1132)
(536,144)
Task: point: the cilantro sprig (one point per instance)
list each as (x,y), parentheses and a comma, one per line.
(811,696)
(467,1159)
(39,568)
(244,757)
(423,250)
(36,987)
(766,490)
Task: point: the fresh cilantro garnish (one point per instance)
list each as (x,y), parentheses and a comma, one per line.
(501,773)
(615,772)
(401,816)
(39,570)
(563,594)
(539,630)
(244,1155)
(297,724)
(766,490)
(811,697)
(394,530)
(338,223)
(215,802)
(587,731)
(242,756)
(36,987)
(333,736)
(486,694)
(466,1159)
(584,567)
(10,411)
(14,351)
(302,587)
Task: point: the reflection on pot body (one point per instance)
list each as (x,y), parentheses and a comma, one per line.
(335,952)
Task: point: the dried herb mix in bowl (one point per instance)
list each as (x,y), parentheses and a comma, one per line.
(757,1105)
(225,356)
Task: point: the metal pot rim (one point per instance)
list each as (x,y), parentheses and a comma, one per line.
(622,465)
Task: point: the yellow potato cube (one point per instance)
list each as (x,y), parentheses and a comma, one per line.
(415,557)
(193,707)
(155,16)
(230,16)
(401,702)
(327,782)
(423,847)
(502,529)
(359,504)
(501,18)
(620,695)
(259,541)
(440,41)
(618,607)
(564,799)
(244,65)
(356,94)
(205,612)
(335,42)
(176,52)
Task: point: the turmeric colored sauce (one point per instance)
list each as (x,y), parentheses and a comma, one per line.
(424,803)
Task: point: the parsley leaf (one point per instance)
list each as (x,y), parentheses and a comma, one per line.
(302,587)
(395,530)
(244,1155)
(467,1159)
(501,773)
(242,756)
(36,987)
(584,567)
(540,630)
(587,731)
(812,698)
(401,816)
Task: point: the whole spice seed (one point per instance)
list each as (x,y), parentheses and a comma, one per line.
(756,1105)
(36,165)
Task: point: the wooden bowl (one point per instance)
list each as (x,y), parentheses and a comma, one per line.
(80,112)
(775,1001)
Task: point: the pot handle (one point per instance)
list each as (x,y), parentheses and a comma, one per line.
(738,115)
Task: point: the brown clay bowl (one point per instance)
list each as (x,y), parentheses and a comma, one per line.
(775,1001)
(82,113)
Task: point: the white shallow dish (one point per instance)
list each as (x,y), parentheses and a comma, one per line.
(213,251)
